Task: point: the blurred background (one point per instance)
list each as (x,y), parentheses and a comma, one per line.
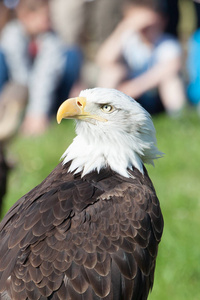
(51,49)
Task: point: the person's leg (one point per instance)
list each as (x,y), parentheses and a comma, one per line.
(3,71)
(172,94)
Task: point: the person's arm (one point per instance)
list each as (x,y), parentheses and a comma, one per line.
(111,50)
(152,78)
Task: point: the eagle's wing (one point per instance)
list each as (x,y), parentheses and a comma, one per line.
(3,175)
(90,238)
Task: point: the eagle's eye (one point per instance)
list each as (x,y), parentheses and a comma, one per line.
(107,108)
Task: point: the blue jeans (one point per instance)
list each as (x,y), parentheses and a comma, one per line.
(3,71)
(72,68)
(151,102)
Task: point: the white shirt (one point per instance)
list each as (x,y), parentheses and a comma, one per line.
(139,56)
(43,75)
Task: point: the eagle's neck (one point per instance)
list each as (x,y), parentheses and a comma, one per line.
(86,157)
(93,150)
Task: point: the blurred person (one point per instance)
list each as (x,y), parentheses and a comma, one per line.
(5,16)
(142,61)
(93,22)
(34,56)
(11,94)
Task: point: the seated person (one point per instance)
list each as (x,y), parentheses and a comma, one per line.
(32,55)
(142,61)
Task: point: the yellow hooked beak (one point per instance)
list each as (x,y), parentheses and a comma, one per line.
(73,108)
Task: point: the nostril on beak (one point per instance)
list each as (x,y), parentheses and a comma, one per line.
(79,103)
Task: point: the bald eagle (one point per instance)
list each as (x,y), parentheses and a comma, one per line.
(91,229)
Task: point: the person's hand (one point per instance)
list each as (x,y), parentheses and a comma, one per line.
(34,125)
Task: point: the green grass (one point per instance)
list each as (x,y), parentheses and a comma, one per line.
(34,158)
(175,177)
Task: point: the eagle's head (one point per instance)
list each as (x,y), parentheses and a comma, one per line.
(112,130)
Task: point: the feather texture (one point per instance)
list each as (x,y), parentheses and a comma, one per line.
(73,237)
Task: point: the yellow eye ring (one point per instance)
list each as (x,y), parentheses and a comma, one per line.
(107,108)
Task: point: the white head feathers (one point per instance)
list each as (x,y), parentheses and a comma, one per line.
(124,141)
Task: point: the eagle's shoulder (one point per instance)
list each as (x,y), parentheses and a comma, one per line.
(69,231)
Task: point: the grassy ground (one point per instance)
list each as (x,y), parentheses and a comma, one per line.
(34,158)
(176,179)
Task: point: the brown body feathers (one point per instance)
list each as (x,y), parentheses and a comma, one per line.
(87,238)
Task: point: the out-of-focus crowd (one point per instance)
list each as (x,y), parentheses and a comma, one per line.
(51,49)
